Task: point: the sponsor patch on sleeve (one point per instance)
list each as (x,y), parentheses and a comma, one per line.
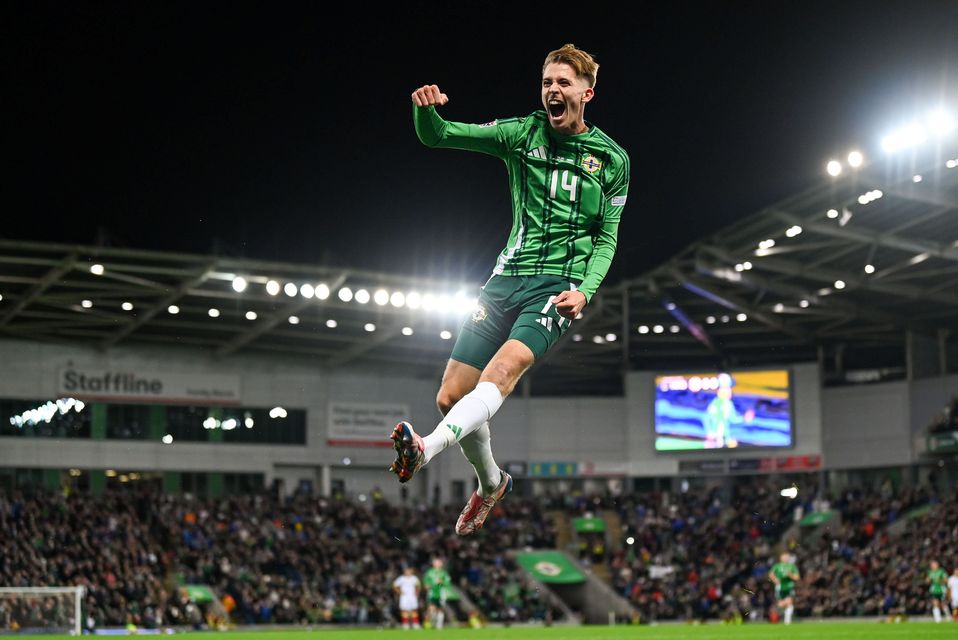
(489,124)
(618,201)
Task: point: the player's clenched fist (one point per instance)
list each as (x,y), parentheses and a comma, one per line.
(427,95)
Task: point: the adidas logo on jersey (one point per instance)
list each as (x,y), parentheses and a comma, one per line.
(539,152)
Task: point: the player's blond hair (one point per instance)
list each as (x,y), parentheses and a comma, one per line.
(584,64)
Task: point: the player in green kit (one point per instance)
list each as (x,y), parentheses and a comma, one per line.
(437,581)
(569,183)
(937,582)
(784,574)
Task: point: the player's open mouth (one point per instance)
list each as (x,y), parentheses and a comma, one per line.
(556,108)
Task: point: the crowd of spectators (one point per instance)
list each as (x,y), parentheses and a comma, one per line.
(306,560)
(701,556)
(299,560)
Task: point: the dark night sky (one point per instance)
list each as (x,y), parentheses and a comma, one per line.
(276,131)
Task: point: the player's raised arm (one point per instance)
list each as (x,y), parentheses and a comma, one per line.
(434,131)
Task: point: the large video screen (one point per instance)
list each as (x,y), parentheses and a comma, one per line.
(722,410)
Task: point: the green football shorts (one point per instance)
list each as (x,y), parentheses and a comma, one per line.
(513,308)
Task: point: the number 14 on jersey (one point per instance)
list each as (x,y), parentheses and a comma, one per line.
(567,185)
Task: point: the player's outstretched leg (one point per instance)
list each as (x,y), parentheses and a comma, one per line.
(410,452)
(476,511)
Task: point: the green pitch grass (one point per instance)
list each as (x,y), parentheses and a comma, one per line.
(800,631)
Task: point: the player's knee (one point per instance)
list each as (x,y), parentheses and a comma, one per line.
(446,399)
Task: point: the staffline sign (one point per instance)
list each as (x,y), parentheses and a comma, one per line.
(128,385)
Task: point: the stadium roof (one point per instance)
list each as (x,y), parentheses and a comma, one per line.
(726,300)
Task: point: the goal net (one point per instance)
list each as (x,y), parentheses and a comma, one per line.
(41,610)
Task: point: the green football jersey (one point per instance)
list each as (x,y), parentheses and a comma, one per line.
(437,581)
(568,192)
(938,579)
(784,572)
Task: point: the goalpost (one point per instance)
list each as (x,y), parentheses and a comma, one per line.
(41,609)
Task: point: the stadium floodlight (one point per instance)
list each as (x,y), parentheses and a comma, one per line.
(248,421)
(1,297)
(855,159)
(916,178)
(710,320)
(741,317)
(670,306)
(951,164)
(251,315)
(869,268)
(86,304)
(210,423)
(674,328)
(97,269)
(445,335)
(362,296)
(443,304)
(110,473)
(766,244)
(173,309)
(381,297)
(290,289)
(347,461)
(630,541)
(369,326)
(127,306)
(239,284)
(460,303)
(214,313)
(910,135)
(740,267)
(397,299)
(793,231)
(167,439)
(803,304)
(940,122)
(272,287)
(229,424)
(331,323)
(294,319)
(747,265)
(598,339)
(725,319)
(839,284)
(643,329)
(277,412)
(834,168)
(321,291)
(791,493)
(307,291)
(407,331)
(413,300)
(658,329)
(832,213)
(779,307)
(611,337)
(345,294)
(577,337)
